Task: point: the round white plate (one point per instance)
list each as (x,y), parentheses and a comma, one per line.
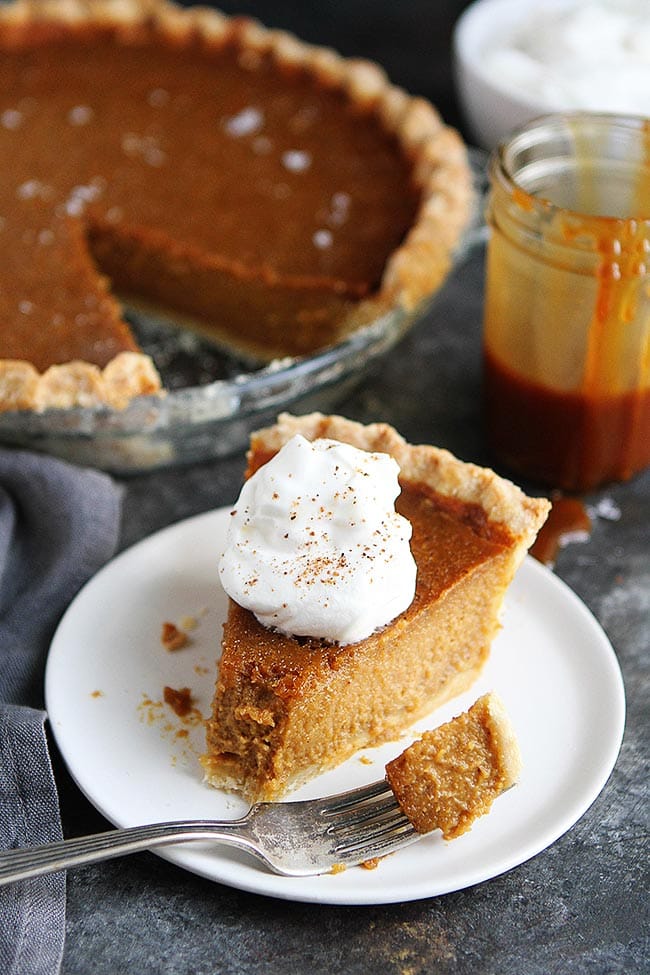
(137,762)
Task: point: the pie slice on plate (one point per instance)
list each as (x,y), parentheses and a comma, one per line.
(287,708)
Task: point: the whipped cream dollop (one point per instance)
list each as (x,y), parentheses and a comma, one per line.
(314,545)
(591,55)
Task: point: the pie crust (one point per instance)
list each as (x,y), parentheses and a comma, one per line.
(412,271)
(286,709)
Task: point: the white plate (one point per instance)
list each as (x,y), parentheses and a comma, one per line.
(551,663)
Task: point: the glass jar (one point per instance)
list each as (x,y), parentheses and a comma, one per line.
(567,308)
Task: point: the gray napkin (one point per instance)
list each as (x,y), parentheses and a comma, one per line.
(58,525)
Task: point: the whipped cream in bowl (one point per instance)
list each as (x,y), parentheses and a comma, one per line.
(315,547)
(515,60)
(592,55)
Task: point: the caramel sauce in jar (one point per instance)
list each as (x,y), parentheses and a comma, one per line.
(567,310)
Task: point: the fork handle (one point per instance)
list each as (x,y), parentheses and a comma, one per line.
(32,861)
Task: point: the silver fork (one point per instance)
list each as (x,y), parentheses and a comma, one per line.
(295,839)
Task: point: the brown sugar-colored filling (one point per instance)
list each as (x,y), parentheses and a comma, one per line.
(182,171)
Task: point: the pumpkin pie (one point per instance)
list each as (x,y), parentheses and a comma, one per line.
(452,775)
(269,193)
(286,708)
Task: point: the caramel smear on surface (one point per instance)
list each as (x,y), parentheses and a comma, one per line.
(568,521)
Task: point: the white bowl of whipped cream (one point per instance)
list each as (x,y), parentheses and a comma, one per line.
(518,59)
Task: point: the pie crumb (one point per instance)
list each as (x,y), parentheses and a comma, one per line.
(172,637)
(337,868)
(370,864)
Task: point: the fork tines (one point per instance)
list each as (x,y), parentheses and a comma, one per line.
(368,820)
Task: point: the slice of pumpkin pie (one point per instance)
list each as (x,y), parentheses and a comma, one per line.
(290,703)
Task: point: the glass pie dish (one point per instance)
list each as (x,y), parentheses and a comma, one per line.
(197,422)
(213,400)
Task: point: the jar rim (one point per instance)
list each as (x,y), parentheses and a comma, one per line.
(573,136)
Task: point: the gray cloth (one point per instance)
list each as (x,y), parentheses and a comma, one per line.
(58,525)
